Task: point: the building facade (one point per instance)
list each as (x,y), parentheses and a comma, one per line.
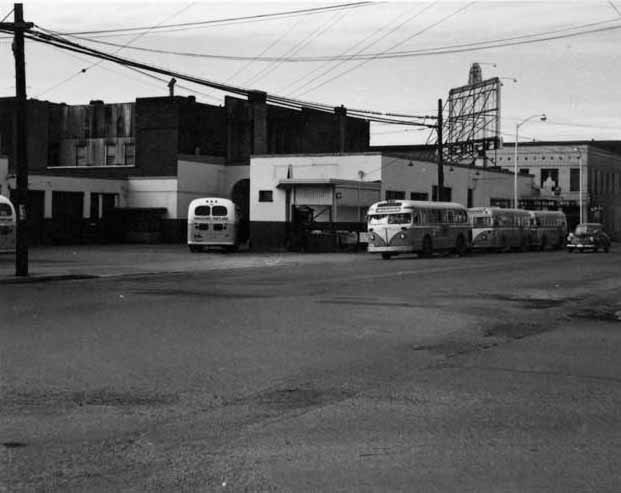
(333,191)
(572,173)
(129,170)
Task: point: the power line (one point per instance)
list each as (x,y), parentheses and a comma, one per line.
(187,25)
(82,71)
(561,33)
(298,46)
(362,49)
(278,100)
(7,16)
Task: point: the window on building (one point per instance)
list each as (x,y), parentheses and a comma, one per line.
(266,196)
(81,155)
(395,195)
(419,196)
(549,178)
(447,194)
(130,154)
(470,198)
(524,171)
(110,154)
(504,203)
(574,179)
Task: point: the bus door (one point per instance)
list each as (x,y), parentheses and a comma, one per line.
(7,227)
(222,225)
(441,228)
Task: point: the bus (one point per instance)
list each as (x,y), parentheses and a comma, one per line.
(412,226)
(213,222)
(500,230)
(8,226)
(548,229)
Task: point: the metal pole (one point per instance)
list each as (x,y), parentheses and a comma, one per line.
(581,185)
(440,192)
(21,161)
(515,169)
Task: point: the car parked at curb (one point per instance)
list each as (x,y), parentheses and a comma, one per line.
(588,236)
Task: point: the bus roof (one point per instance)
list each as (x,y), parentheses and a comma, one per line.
(421,204)
(490,211)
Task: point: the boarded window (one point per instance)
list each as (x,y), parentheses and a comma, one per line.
(80,155)
(574,179)
(130,154)
(395,195)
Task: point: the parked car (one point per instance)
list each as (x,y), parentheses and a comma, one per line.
(588,236)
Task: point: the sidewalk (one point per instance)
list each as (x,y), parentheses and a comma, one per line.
(48,263)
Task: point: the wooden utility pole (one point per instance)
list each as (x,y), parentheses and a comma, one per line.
(21,161)
(440,190)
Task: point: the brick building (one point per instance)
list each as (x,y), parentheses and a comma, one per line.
(129,170)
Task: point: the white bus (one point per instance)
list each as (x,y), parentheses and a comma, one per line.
(406,226)
(212,222)
(548,229)
(500,230)
(8,226)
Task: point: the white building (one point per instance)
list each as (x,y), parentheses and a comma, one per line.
(333,191)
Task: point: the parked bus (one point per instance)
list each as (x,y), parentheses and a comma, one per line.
(500,230)
(8,226)
(212,222)
(548,229)
(406,226)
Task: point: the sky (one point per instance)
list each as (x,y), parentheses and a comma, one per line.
(573,80)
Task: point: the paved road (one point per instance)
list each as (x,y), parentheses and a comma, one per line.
(318,373)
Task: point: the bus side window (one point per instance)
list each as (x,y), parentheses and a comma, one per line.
(415,217)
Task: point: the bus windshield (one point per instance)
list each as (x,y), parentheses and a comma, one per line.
(401,218)
(482,222)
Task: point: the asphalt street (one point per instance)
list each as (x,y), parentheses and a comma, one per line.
(293,372)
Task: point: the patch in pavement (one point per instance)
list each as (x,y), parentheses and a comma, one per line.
(511,330)
(14,444)
(98,397)
(453,348)
(297,397)
(197,293)
(364,301)
(531,302)
(605,313)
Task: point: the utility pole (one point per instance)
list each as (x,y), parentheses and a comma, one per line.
(21,161)
(440,189)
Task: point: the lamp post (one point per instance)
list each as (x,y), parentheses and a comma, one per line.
(543,118)
(580,185)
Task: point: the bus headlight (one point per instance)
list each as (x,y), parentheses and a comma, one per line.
(372,237)
(482,237)
(402,236)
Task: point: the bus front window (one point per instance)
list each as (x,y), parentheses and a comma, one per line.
(375,219)
(481,222)
(400,218)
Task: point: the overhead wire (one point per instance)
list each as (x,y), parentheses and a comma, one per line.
(298,46)
(350,57)
(84,70)
(248,18)
(7,16)
(341,74)
(71,46)
(561,33)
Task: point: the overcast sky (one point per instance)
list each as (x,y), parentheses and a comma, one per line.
(574,80)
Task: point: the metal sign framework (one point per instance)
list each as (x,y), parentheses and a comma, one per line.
(473,123)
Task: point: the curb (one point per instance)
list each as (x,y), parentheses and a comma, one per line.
(44,278)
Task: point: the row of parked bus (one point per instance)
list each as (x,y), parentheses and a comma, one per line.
(406,226)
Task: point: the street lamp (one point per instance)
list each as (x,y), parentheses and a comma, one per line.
(580,179)
(543,118)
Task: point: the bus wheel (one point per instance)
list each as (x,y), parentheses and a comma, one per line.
(386,256)
(195,248)
(460,246)
(427,247)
